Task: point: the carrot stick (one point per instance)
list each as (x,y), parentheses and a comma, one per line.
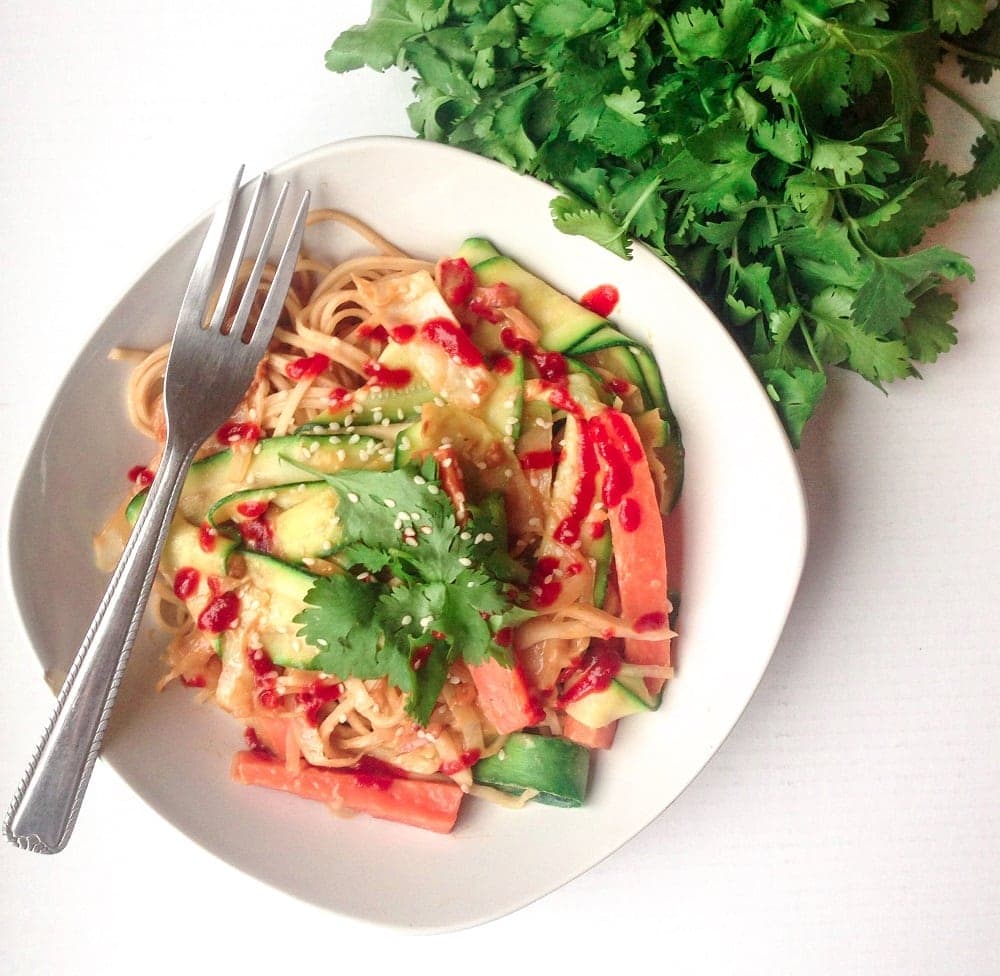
(429,804)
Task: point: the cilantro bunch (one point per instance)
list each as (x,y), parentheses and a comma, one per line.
(420,591)
(773,152)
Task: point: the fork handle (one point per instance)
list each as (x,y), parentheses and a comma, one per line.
(44,810)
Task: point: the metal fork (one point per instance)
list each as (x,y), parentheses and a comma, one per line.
(208,371)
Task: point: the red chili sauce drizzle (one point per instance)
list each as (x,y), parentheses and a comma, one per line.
(501,364)
(387,376)
(207,537)
(221,613)
(313,698)
(618,386)
(537,460)
(186,581)
(264,676)
(599,670)
(568,530)
(489,301)
(375,774)
(551,366)
(618,478)
(650,621)
(419,655)
(403,333)
(545,588)
(253,509)
(253,741)
(456,280)
(630,515)
(459,347)
(601,300)
(141,476)
(468,758)
(257,533)
(504,637)
(371,330)
(235,432)
(308,367)
(339,397)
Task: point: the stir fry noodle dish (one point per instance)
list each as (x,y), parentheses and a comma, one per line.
(425,557)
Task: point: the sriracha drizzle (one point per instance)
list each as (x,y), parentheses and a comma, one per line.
(601,300)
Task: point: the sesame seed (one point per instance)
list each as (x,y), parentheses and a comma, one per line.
(410,541)
(341,455)
(465,561)
(465,536)
(354,439)
(433,489)
(400,415)
(488,536)
(389,503)
(419,480)
(322,642)
(426,529)
(352,497)
(406,620)
(426,621)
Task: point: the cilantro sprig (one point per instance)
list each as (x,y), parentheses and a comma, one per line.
(418,591)
(773,152)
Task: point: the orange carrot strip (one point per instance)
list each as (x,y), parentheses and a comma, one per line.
(504,697)
(420,803)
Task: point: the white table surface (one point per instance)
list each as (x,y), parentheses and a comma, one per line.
(848,825)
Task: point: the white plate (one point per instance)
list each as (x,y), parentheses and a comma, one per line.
(741,526)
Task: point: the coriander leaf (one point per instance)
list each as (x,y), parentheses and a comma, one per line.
(884,299)
(378,43)
(574,217)
(920,204)
(797,392)
(782,139)
(958,16)
(876,358)
(340,611)
(928,330)
(984,176)
(843,159)
(429,592)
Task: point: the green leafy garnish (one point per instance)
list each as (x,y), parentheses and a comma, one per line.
(419,591)
(773,153)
